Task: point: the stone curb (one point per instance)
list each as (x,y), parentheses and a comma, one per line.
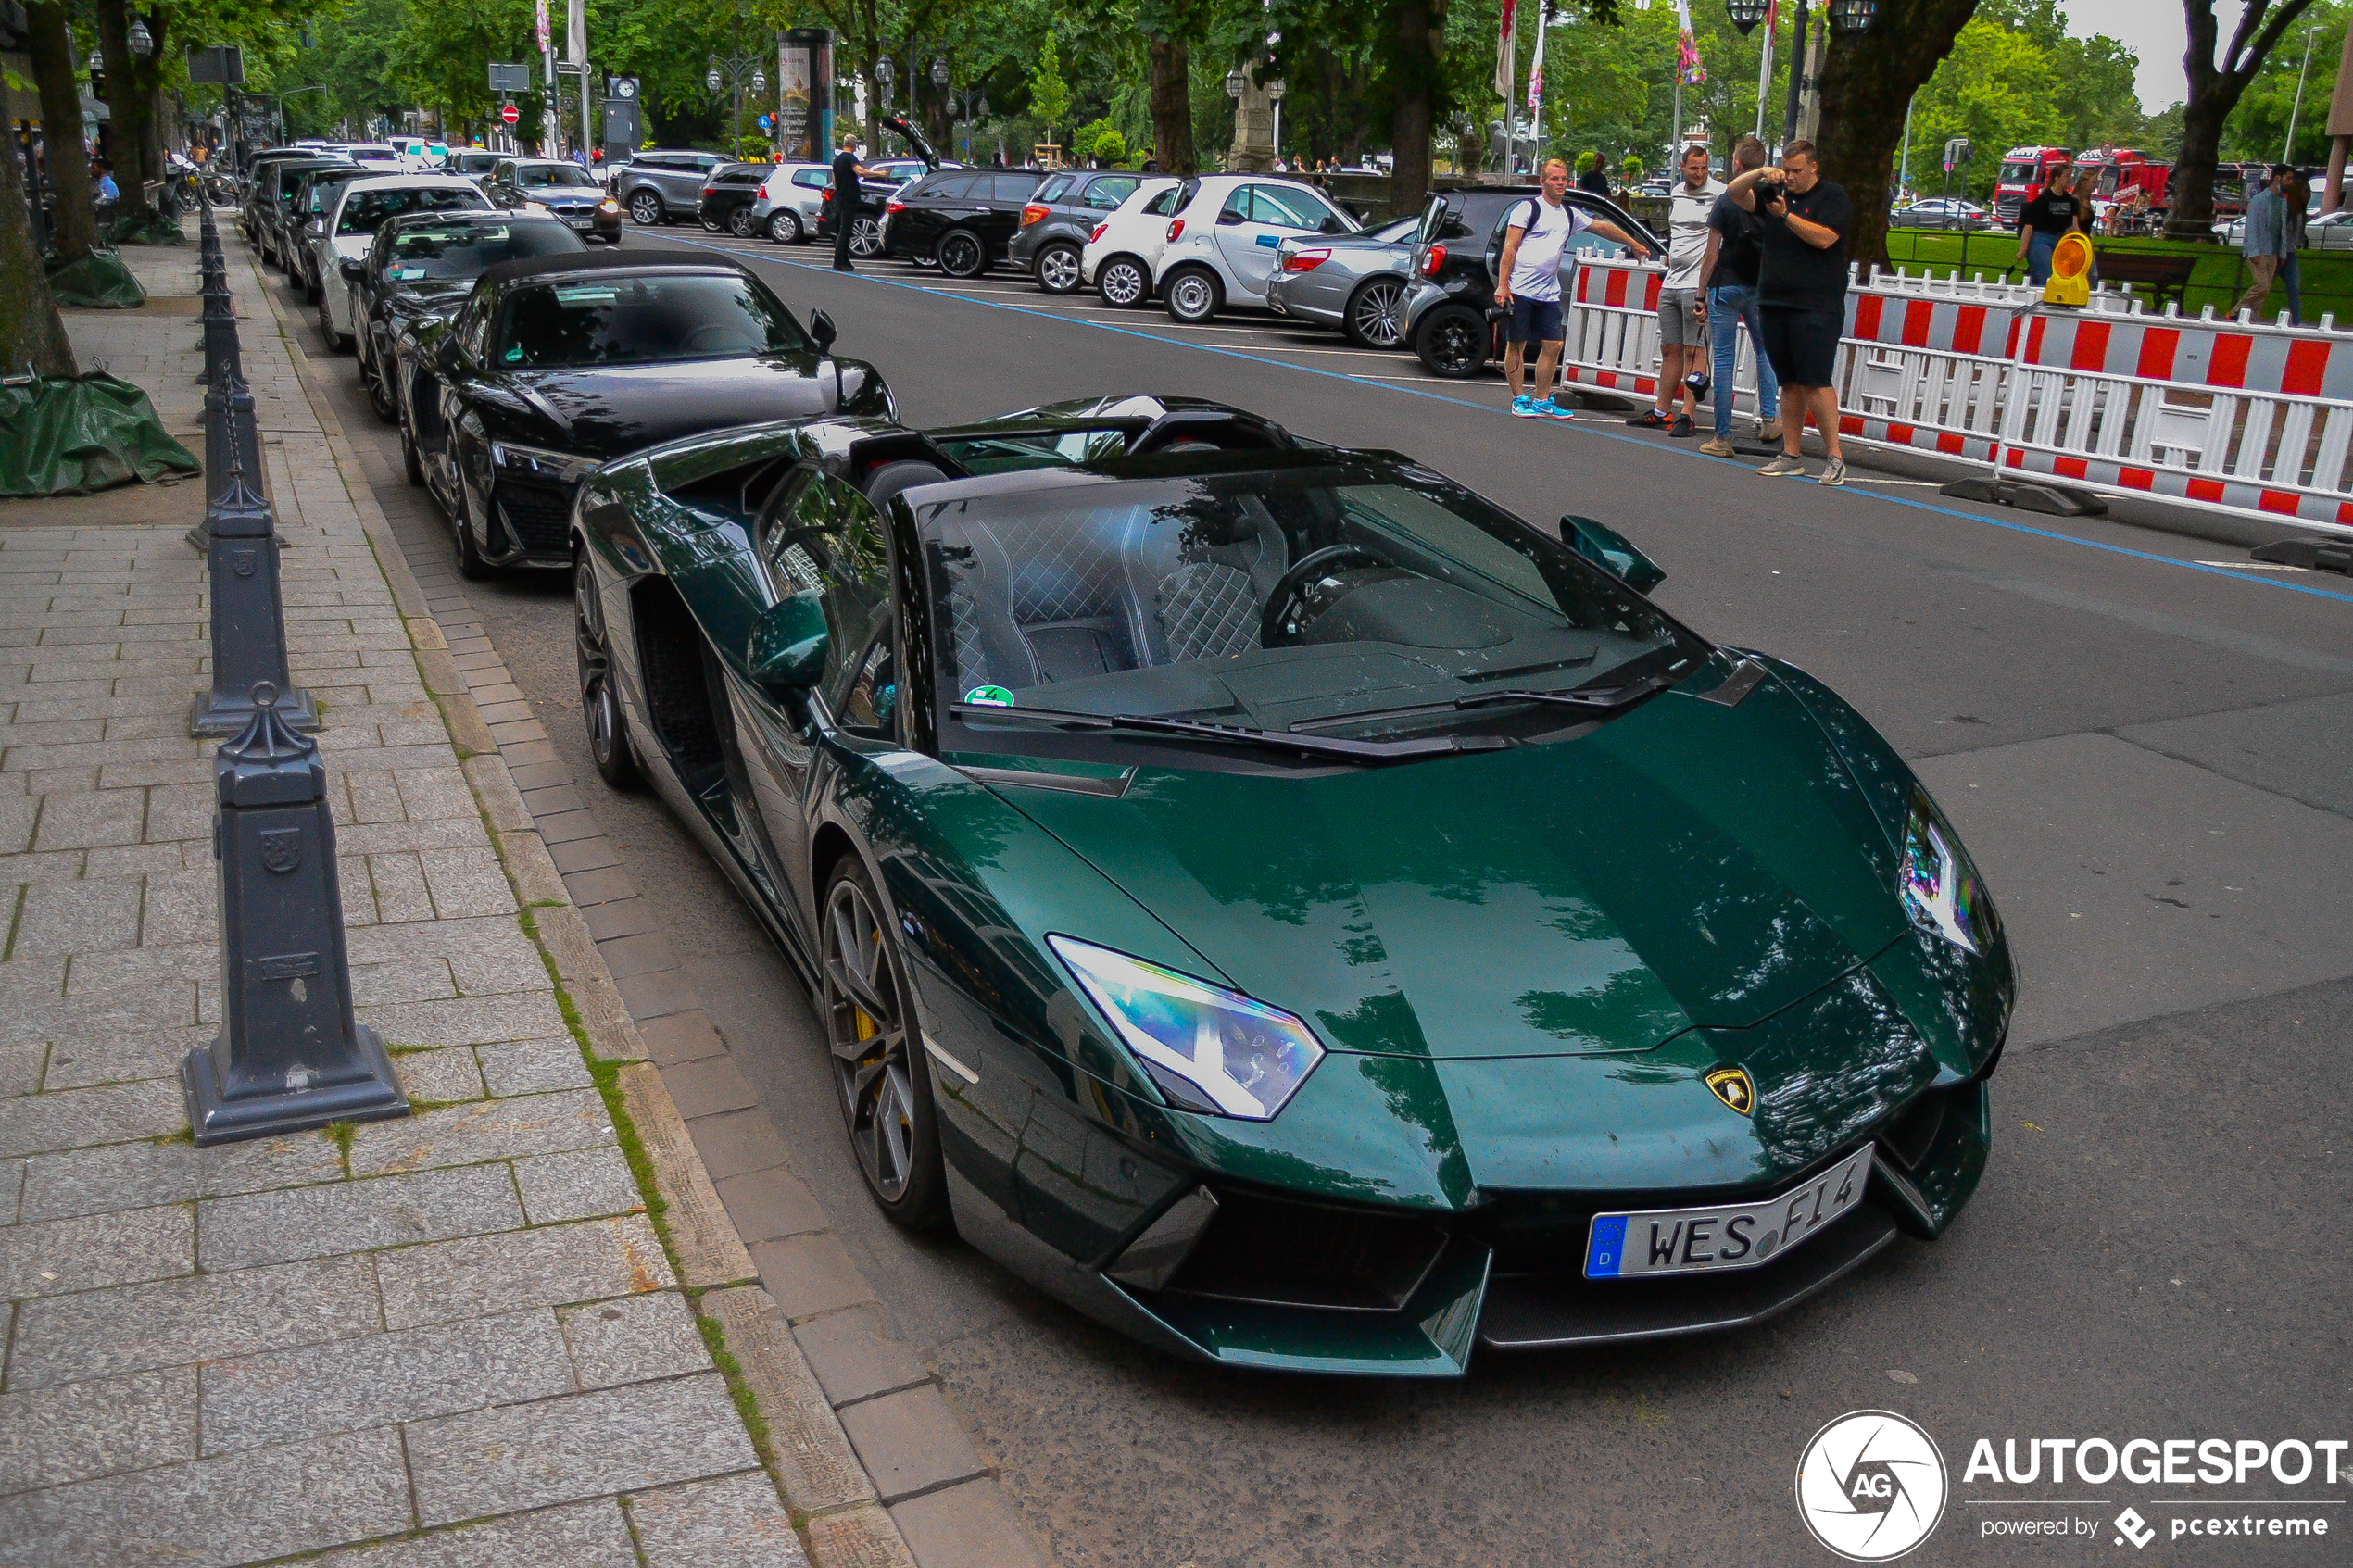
(904,1427)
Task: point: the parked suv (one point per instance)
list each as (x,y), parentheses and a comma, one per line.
(279,219)
(789,200)
(964,218)
(1222,242)
(727,195)
(662,187)
(1449,310)
(1058,219)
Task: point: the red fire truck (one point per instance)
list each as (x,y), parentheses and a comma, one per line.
(2023,170)
(2122,171)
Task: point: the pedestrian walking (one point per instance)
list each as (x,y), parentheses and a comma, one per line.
(1536,236)
(846,173)
(2054,212)
(1728,284)
(1801,286)
(2298,197)
(1596,176)
(1682,310)
(2265,242)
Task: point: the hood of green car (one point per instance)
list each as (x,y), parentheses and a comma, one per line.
(1686,865)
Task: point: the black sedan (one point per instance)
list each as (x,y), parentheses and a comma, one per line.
(875,195)
(964,218)
(421,268)
(559,363)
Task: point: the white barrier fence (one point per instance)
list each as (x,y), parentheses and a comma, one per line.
(2227,416)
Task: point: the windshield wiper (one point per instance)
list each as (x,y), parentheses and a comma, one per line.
(1235,734)
(1604,699)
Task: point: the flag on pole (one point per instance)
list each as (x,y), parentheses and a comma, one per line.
(1688,71)
(577,32)
(1536,65)
(1507,52)
(540,23)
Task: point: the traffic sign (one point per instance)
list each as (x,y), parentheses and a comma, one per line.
(509,78)
(509,113)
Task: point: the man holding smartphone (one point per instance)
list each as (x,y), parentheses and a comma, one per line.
(1801,291)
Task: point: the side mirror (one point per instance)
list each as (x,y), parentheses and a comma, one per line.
(1610,550)
(821,328)
(786,654)
(353,267)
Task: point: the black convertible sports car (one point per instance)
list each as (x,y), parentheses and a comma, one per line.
(421,270)
(556,364)
(1277,901)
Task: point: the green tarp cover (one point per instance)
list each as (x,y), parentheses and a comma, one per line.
(99,280)
(148,229)
(63,435)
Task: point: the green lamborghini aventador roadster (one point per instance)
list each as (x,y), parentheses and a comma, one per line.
(1284,904)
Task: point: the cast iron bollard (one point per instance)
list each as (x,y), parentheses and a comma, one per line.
(232,439)
(289,1054)
(248,626)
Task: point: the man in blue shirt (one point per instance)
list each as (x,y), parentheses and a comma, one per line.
(2266,239)
(103,172)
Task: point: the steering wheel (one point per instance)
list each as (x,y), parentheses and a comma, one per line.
(1287,588)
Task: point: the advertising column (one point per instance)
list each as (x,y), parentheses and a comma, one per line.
(805,94)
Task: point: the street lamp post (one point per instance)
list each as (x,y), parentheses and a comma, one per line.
(2287,148)
(732,71)
(1275,90)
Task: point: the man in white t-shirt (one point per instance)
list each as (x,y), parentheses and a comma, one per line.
(1537,231)
(1682,307)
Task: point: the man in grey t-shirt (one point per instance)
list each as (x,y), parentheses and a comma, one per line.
(1682,307)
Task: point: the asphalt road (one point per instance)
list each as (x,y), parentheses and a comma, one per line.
(2149,749)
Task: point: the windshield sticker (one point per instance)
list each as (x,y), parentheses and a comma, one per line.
(405,273)
(989,696)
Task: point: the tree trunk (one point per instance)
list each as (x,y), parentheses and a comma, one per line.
(31,333)
(1416,74)
(1867,83)
(61,125)
(2190,215)
(1171,96)
(131,104)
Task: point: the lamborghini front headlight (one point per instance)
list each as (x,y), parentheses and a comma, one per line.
(1227,1053)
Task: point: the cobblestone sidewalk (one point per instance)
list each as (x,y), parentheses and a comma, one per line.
(462,1336)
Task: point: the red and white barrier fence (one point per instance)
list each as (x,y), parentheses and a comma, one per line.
(2227,416)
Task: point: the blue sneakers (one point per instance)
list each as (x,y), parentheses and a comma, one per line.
(1551,409)
(1524,407)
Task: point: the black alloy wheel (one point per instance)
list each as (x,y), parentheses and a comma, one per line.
(380,396)
(739,222)
(1376,315)
(1058,269)
(961,254)
(470,564)
(1123,283)
(1192,295)
(878,1067)
(1451,341)
(336,342)
(609,743)
(865,237)
(783,228)
(411,461)
(645,206)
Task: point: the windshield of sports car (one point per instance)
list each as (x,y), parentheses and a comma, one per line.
(540,175)
(592,320)
(1368,600)
(462,250)
(365,211)
(999,451)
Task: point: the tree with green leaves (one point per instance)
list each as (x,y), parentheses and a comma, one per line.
(1049,94)
(49,46)
(32,336)
(2217,82)
(1868,82)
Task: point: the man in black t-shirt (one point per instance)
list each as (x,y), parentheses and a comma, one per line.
(1728,284)
(1801,289)
(2055,210)
(847,173)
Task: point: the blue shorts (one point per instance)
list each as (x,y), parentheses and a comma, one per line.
(1534,318)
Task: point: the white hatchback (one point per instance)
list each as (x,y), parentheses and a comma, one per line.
(1224,236)
(787,207)
(1117,260)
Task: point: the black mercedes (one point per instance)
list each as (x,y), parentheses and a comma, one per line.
(421,268)
(559,363)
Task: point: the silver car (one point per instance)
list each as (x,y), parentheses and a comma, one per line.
(1354,282)
(789,199)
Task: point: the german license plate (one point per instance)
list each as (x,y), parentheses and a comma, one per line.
(1739,1235)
